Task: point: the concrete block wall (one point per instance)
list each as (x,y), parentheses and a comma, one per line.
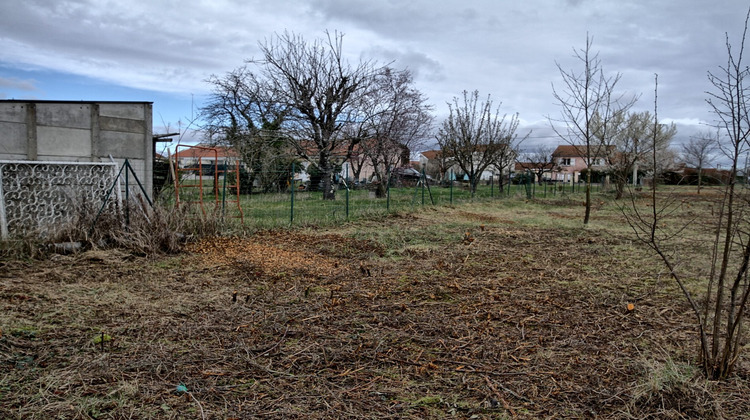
(80,132)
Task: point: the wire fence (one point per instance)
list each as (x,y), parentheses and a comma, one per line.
(294,202)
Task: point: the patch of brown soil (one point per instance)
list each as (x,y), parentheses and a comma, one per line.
(329,244)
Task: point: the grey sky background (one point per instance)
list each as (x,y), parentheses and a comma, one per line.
(508,49)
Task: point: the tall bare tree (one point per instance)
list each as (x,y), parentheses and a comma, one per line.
(698,152)
(321,93)
(476,137)
(397,121)
(588,96)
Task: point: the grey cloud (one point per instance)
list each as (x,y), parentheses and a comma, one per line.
(507,49)
(408,21)
(422,66)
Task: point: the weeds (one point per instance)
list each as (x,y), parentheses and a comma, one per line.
(673,390)
(148,231)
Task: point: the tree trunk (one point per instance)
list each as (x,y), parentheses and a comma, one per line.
(621,179)
(619,188)
(326,172)
(356,171)
(381,190)
(587,216)
(329,191)
(250,183)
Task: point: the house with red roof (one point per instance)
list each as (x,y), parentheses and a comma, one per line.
(570,161)
(190,155)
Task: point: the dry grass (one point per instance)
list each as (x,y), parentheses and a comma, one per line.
(397,318)
(145,231)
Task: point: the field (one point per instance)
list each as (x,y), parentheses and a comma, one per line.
(496,309)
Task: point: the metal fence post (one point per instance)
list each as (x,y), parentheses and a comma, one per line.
(450,183)
(291,207)
(492,185)
(127,193)
(388,191)
(423,179)
(510,183)
(346,183)
(429,190)
(224,190)
(528,185)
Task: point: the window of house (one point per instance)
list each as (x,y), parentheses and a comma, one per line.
(566,161)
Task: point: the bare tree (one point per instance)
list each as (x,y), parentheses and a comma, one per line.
(666,156)
(438,165)
(397,121)
(540,161)
(720,321)
(475,137)
(631,141)
(698,151)
(358,161)
(239,115)
(321,93)
(729,101)
(587,96)
(506,159)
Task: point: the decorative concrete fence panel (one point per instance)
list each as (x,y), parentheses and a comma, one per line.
(37,197)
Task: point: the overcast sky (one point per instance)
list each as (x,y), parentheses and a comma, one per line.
(162,51)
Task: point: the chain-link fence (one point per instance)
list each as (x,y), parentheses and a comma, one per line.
(300,202)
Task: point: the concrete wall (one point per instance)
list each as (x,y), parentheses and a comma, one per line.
(79,132)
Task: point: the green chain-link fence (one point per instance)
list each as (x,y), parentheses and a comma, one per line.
(299,202)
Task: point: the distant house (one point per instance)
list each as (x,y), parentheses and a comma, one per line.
(206,155)
(545,169)
(570,162)
(432,162)
(685,175)
(428,155)
(359,168)
(436,164)
(356,168)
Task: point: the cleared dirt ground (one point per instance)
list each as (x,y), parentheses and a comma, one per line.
(472,312)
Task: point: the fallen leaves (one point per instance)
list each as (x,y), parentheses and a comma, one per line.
(266,258)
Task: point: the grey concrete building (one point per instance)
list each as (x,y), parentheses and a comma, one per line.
(79,131)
